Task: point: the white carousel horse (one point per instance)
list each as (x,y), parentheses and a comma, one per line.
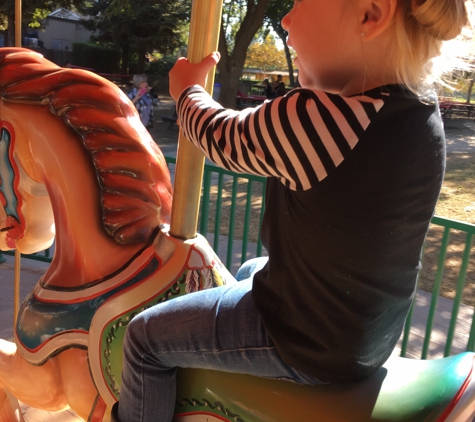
(74,156)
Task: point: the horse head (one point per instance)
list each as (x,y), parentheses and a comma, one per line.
(72,146)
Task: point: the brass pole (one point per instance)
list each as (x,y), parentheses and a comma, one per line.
(16,281)
(17,23)
(16,288)
(203,40)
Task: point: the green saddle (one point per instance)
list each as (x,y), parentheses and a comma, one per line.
(402,390)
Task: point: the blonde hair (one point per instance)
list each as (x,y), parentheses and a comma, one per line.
(420,28)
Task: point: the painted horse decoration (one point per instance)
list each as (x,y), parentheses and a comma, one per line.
(76,164)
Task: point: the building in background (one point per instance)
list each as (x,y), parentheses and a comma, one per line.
(54,40)
(61,29)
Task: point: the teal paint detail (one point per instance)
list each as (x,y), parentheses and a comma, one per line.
(55,318)
(7,176)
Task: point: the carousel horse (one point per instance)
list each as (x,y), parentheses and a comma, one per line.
(76,163)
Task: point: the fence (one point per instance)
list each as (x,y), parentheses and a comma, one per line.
(231,212)
(445,319)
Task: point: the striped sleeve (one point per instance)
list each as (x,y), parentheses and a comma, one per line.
(298,138)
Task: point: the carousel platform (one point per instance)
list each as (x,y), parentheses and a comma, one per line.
(31,414)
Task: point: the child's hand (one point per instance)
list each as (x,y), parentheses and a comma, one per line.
(185,74)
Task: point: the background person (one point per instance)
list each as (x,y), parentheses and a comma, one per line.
(140,97)
(268,91)
(281,90)
(275,84)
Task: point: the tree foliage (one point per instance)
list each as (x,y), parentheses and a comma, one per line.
(140,26)
(265,55)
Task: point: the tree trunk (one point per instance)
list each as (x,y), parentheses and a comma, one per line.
(288,57)
(124,69)
(229,73)
(141,60)
(10,32)
(231,64)
(469,91)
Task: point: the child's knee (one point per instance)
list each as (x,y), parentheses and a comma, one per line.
(134,335)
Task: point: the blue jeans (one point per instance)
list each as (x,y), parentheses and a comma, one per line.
(216,329)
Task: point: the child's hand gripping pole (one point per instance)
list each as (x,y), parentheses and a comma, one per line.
(185,74)
(203,40)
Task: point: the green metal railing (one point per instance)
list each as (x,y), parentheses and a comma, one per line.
(243,196)
(449,227)
(223,188)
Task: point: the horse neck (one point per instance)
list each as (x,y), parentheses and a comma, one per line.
(84,252)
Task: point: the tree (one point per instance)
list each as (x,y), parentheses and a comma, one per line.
(241,20)
(470,87)
(139,26)
(276,10)
(454,69)
(265,55)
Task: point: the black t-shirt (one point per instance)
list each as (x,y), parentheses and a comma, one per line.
(344,255)
(352,186)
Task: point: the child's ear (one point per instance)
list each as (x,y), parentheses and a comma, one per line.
(376,16)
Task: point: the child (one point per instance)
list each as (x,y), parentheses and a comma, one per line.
(355,162)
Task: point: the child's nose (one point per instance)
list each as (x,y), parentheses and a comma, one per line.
(286,21)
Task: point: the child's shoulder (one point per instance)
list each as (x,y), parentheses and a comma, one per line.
(377,97)
(371,101)
(382,92)
(376,94)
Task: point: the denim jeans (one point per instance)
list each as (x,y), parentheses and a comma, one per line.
(216,329)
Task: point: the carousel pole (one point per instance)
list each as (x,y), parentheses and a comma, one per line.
(203,40)
(17,23)
(16,288)
(16,282)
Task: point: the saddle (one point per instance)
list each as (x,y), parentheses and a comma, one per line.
(403,389)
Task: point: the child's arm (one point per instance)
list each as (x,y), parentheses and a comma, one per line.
(298,138)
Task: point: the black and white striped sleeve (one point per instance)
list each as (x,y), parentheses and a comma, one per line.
(298,138)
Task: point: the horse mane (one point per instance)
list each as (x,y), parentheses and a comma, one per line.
(134,183)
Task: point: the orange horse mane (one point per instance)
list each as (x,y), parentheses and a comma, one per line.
(133,179)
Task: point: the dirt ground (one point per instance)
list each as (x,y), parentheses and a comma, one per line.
(457,201)
(160,132)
